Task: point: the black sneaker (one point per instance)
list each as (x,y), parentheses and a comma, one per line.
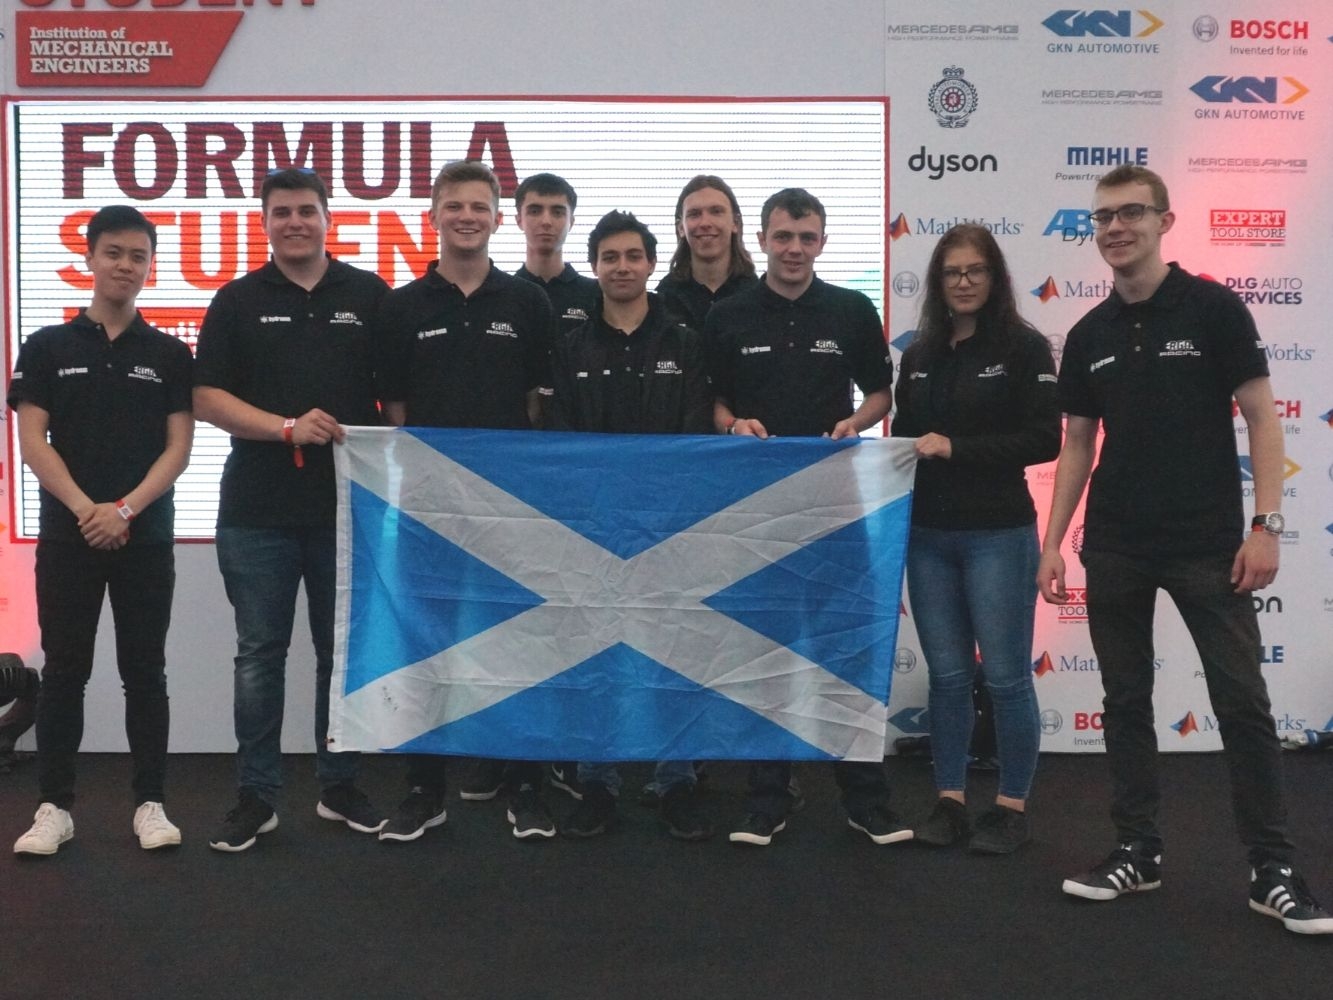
(529,816)
(946,825)
(1277,891)
(757,829)
(242,826)
(595,815)
(999,830)
(421,810)
(680,812)
(880,824)
(485,781)
(1126,869)
(565,777)
(345,803)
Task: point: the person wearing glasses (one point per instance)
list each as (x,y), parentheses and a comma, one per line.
(1156,365)
(976,390)
(283,361)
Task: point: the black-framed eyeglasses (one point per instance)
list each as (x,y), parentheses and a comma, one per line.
(975,275)
(282,170)
(1125,213)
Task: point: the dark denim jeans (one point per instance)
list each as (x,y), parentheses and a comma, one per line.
(1122,596)
(864,785)
(72,580)
(262,568)
(975,590)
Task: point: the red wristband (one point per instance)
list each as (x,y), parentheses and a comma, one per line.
(288,426)
(125,510)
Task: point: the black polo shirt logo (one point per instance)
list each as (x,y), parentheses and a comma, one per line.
(764,349)
(145,373)
(916,375)
(993,371)
(439,331)
(1179,349)
(62,372)
(1110,359)
(344,318)
(668,368)
(499,328)
(275,319)
(575,312)
(826,347)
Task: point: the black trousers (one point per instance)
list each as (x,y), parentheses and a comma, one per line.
(72,580)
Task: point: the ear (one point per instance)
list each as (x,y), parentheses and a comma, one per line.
(763,243)
(1168,220)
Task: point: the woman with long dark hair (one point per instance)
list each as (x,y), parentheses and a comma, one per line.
(976,389)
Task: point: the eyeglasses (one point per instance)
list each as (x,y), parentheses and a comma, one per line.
(1125,213)
(975,275)
(282,170)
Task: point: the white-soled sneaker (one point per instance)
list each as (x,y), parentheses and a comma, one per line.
(51,827)
(153,828)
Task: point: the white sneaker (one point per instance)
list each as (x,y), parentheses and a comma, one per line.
(51,827)
(153,828)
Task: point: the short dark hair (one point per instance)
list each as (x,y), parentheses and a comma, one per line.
(548,184)
(293,179)
(620,222)
(1132,173)
(741,263)
(796,202)
(117,219)
(461,172)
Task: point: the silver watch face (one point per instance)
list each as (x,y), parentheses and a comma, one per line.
(1274,523)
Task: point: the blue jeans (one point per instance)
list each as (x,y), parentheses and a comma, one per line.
(1122,597)
(975,590)
(262,568)
(667,775)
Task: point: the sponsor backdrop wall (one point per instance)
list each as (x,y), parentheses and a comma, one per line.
(904,117)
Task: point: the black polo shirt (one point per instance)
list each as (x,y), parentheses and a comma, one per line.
(573,296)
(108,402)
(653,380)
(993,396)
(460,361)
(1160,374)
(688,301)
(269,342)
(791,364)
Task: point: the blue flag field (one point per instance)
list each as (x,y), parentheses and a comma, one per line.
(548,596)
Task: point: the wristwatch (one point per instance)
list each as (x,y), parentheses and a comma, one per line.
(1272,523)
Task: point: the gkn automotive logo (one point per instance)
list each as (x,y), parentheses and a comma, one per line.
(1102,23)
(1270,90)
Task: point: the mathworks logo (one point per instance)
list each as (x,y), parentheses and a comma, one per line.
(1249,227)
(1043,665)
(1327,418)
(899,228)
(935,226)
(1187,725)
(1080,289)
(1122,24)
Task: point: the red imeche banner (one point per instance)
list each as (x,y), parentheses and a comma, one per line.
(177,49)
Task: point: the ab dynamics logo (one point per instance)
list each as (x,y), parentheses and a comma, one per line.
(1283,90)
(1072,225)
(1249,227)
(1124,24)
(952,99)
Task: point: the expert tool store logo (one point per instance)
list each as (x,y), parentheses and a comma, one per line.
(1248,227)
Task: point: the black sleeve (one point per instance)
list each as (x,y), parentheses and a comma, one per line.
(719,347)
(537,351)
(563,409)
(218,359)
(905,418)
(1033,436)
(392,344)
(697,399)
(179,395)
(1074,389)
(872,368)
(31,381)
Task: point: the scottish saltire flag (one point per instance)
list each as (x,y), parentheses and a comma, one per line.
(550,596)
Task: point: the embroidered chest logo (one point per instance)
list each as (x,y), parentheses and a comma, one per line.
(499,329)
(439,331)
(1100,364)
(1179,349)
(993,371)
(668,368)
(576,312)
(826,347)
(916,375)
(63,372)
(145,373)
(275,319)
(345,319)
(764,349)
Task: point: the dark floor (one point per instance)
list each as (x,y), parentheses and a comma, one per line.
(469,912)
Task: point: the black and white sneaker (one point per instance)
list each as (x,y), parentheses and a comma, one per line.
(243,824)
(595,815)
(1126,869)
(757,830)
(421,810)
(484,782)
(529,816)
(565,777)
(345,803)
(880,824)
(1277,891)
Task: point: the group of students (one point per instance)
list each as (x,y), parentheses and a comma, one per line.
(291,354)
